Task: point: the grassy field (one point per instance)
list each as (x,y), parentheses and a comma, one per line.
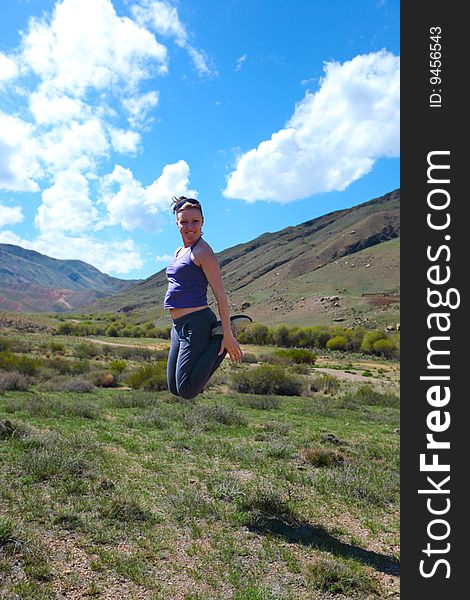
(113,492)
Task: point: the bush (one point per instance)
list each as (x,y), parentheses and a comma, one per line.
(325,383)
(256,333)
(163,333)
(369,340)
(111,331)
(84,350)
(151,376)
(367,395)
(281,336)
(5,344)
(14,381)
(313,337)
(56,347)
(275,359)
(52,406)
(105,379)
(133,353)
(300,369)
(63,383)
(267,379)
(267,502)
(78,385)
(65,329)
(334,576)
(339,342)
(68,367)
(9,430)
(384,347)
(249,358)
(151,418)
(117,366)
(7,530)
(298,355)
(340,338)
(260,403)
(204,417)
(278,448)
(23,364)
(321,457)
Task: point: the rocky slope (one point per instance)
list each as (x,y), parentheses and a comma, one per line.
(33,282)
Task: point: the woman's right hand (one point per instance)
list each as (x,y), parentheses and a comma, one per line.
(230,343)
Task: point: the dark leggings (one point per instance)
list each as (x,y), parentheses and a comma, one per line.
(193,356)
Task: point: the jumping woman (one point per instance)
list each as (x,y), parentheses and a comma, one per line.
(199,342)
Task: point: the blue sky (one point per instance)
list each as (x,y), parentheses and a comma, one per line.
(271,113)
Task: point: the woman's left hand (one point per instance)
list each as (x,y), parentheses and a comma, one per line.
(230,343)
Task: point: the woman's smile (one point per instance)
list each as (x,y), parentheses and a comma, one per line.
(189,221)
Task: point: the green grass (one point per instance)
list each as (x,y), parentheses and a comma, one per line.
(231,495)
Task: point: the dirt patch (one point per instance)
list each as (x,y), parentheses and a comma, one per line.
(147,346)
(74,577)
(345,375)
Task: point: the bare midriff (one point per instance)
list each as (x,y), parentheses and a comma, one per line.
(176,313)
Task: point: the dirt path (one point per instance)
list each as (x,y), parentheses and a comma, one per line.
(344,375)
(106,343)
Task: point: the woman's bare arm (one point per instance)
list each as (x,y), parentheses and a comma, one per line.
(206,259)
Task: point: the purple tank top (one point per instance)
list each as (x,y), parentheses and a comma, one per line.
(187,283)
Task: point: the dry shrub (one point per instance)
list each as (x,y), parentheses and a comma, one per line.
(63,383)
(260,402)
(14,381)
(249,358)
(206,417)
(9,430)
(105,379)
(267,379)
(326,383)
(333,575)
(322,457)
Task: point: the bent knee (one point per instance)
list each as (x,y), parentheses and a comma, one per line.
(173,389)
(188,395)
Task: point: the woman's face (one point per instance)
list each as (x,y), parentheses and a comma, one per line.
(189,221)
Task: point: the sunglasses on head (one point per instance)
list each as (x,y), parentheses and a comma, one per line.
(181,201)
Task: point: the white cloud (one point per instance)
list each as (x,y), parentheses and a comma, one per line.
(19,166)
(86,59)
(125,141)
(74,145)
(119,257)
(138,107)
(66,205)
(10,215)
(89,63)
(240,61)
(134,206)
(79,72)
(48,106)
(333,138)
(87,45)
(163,18)
(201,61)
(163,259)
(8,68)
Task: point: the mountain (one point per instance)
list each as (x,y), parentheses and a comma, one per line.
(33,282)
(341,267)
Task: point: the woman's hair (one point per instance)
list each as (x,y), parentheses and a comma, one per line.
(182,202)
